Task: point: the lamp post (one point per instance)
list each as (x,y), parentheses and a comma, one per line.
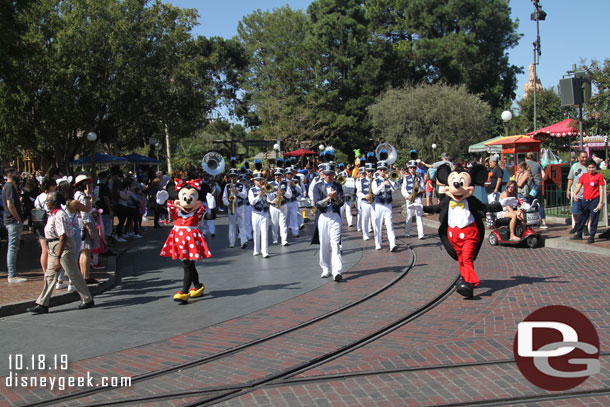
(276,148)
(434,152)
(507,116)
(538,15)
(92,137)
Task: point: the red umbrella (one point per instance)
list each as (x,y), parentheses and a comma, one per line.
(299,153)
(567,127)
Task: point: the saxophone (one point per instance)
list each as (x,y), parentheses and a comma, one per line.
(415,191)
(232,199)
(278,205)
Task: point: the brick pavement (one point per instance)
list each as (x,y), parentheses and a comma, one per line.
(514,285)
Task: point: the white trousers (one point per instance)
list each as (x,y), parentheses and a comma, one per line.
(248,221)
(415,210)
(238,219)
(367,217)
(346,210)
(207,225)
(329,231)
(260,228)
(293,217)
(279,222)
(383,214)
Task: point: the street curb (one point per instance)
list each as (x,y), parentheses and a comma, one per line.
(20,307)
(563,244)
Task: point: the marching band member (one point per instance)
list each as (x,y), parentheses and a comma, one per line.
(346,209)
(361,175)
(279,211)
(314,180)
(414,203)
(260,212)
(207,223)
(233,197)
(328,199)
(248,208)
(382,190)
(292,205)
(365,198)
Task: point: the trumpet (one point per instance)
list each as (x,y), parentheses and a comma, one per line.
(341,179)
(268,188)
(395,176)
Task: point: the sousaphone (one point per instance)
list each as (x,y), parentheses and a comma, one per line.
(213,163)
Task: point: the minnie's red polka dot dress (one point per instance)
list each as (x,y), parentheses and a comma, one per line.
(185,241)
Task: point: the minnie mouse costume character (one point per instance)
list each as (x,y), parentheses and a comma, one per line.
(461,215)
(185,241)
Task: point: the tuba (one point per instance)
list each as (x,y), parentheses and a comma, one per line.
(392,153)
(213,163)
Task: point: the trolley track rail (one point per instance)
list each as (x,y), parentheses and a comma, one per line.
(234,350)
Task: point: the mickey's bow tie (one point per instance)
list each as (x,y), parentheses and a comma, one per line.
(454,205)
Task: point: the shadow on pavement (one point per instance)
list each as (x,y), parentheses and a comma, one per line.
(498,285)
(250,290)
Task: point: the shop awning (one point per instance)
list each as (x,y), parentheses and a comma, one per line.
(565,128)
(482,148)
(520,139)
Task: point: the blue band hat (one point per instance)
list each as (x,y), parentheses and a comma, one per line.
(329,168)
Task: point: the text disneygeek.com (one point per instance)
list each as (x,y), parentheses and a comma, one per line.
(19,366)
(62,382)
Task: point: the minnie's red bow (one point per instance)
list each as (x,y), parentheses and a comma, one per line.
(180,183)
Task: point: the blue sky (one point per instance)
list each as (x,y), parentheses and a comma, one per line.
(572,31)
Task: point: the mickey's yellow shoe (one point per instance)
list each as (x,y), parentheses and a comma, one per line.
(194,292)
(182,298)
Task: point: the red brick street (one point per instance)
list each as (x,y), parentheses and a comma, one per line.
(459,352)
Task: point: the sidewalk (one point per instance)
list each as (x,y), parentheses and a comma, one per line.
(555,237)
(16,297)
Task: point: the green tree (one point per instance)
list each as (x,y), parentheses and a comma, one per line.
(129,67)
(451,41)
(599,107)
(548,111)
(282,74)
(415,117)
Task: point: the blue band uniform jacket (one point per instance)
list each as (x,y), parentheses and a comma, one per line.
(319,195)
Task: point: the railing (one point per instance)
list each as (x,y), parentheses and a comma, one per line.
(556,203)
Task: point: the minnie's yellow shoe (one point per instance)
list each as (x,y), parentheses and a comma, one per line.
(181,298)
(194,292)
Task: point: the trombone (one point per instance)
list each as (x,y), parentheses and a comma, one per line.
(395,176)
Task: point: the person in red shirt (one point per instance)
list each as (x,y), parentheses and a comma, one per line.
(593,188)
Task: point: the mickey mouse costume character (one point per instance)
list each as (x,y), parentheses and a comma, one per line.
(185,241)
(461,215)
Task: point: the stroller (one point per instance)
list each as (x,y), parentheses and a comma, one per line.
(501,232)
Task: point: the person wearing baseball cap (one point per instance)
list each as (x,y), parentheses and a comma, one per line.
(328,199)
